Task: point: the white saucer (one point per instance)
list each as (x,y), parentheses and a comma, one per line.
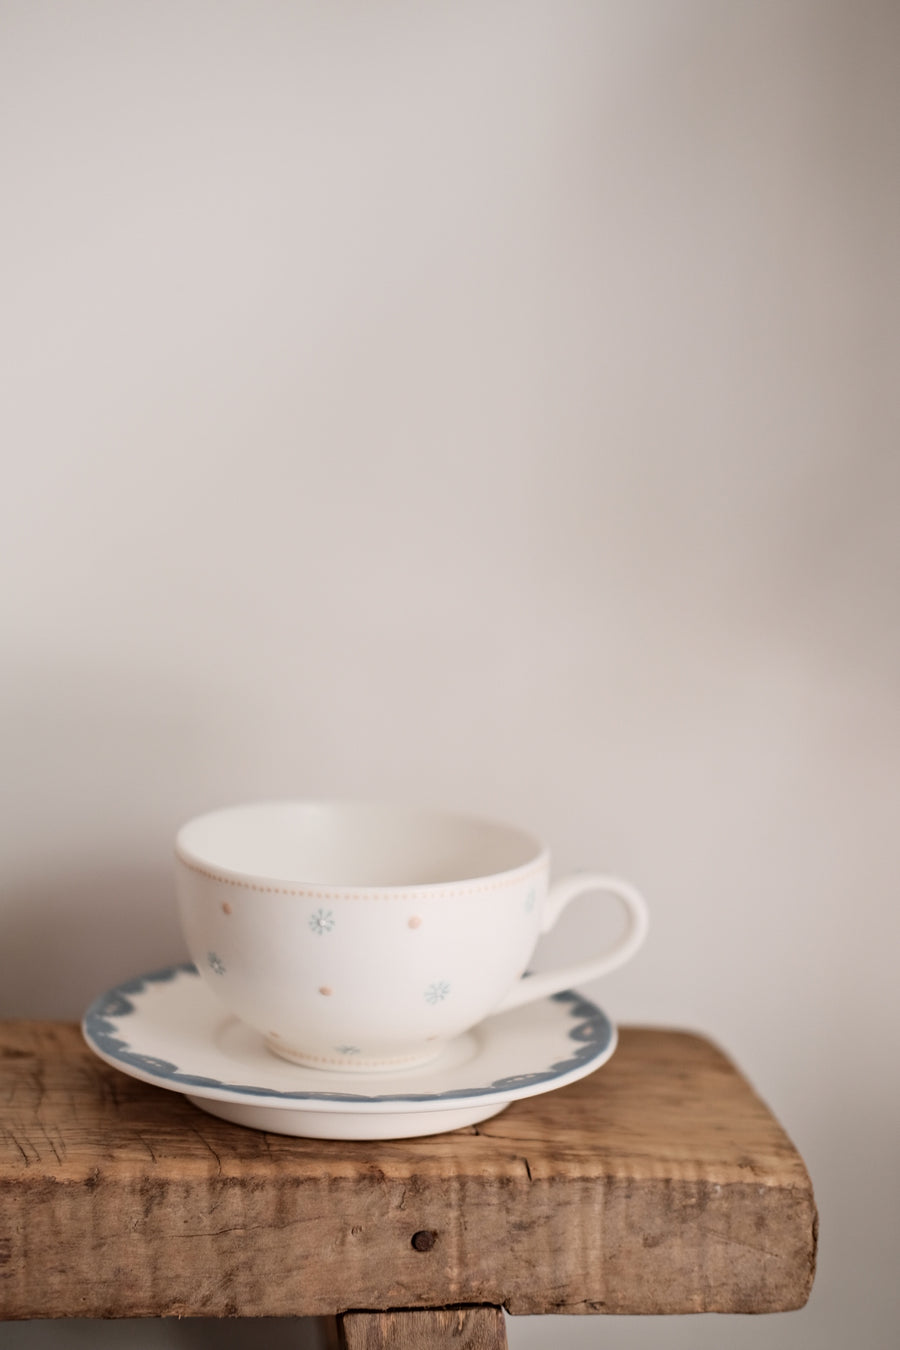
(167,1028)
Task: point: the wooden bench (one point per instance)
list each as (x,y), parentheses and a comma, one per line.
(659,1184)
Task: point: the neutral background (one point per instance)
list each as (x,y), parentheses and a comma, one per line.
(493,405)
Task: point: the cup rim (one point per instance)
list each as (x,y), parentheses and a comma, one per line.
(537,859)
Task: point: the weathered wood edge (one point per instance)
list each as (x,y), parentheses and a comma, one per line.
(459,1328)
(146,1236)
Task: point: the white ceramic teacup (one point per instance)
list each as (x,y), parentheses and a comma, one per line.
(359,937)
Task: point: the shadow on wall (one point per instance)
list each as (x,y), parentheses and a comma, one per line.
(103,762)
(68,937)
(188,1333)
(87,882)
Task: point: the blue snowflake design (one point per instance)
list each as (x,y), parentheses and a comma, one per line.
(347,1049)
(105,1028)
(321,922)
(437,992)
(529,900)
(215,963)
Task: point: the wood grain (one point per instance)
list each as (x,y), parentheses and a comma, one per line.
(659,1184)
(435,1329)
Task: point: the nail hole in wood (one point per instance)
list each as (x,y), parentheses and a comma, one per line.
(424,1240)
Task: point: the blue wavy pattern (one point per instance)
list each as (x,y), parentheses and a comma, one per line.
(591,1034)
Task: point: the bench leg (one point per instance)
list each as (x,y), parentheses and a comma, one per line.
(421,1329)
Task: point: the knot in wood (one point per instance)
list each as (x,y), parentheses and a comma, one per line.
(424,1240)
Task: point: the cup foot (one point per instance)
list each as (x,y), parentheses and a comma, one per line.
(349,1059)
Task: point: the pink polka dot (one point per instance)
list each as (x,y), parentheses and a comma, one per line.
(326,990)
(415,922)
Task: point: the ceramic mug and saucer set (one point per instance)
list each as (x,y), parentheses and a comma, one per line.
(360,971)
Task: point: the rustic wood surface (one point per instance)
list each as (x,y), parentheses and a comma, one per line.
(659,1184)
(440,1329)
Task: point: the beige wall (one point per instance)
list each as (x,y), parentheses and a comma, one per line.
(491,404)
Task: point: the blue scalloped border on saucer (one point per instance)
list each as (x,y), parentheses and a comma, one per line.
(591,1032)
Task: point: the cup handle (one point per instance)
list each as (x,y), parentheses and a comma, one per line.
(544,983)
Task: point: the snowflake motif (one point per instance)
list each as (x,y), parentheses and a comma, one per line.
(529,900)
(321,922)
(437,992)
(215,963)
(347,1049)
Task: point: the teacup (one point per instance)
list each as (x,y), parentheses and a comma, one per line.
(364,937)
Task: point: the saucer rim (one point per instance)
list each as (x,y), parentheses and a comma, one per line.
(592,1032)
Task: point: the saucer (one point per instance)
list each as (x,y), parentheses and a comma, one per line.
(167,1028)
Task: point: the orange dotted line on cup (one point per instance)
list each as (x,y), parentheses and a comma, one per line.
(389,893)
